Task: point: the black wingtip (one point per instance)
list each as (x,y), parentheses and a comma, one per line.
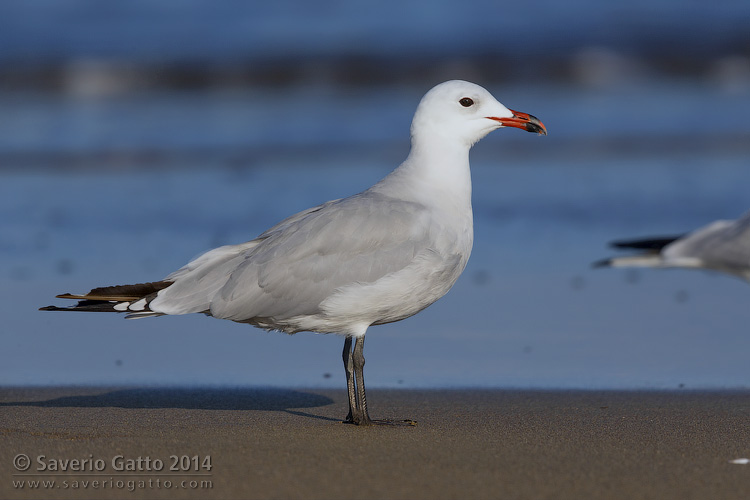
(86,306)
(648,244)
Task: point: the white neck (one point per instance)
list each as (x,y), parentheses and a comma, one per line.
(436,171)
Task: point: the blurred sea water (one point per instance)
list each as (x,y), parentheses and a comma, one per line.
(138,135)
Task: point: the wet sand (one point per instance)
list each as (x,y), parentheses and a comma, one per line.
(277,443)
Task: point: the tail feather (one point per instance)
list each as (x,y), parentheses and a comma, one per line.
(117,298)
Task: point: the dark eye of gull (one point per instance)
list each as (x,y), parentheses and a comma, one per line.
(466,102)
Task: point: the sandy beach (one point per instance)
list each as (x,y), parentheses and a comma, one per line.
(277,443)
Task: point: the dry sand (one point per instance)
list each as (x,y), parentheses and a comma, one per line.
(469,444)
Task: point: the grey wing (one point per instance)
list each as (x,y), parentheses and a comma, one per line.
(722,245)
(195,284)
(296,217)
(359,239)
(291,268)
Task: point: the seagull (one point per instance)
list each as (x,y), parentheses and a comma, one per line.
(376,257)
(723,245)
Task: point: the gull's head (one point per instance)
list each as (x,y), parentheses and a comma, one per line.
(466,112)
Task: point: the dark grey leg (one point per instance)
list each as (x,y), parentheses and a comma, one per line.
(358,360)
(349,368)
(354,363)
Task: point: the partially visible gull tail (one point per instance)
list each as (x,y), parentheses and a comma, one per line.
(651,257)
(132,299)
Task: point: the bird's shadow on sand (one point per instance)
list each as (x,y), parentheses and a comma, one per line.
(244,399)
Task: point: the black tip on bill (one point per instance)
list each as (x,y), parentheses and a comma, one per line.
(535,125)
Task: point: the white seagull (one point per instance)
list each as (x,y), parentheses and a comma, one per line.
(723,245)
(375,257)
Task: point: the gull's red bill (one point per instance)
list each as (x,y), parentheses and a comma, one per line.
(528,122)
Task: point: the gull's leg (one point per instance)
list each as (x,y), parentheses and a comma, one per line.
(349,368)
(358,360)
(362,417)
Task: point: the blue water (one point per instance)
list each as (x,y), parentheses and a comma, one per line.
(111,175)
(199,30)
